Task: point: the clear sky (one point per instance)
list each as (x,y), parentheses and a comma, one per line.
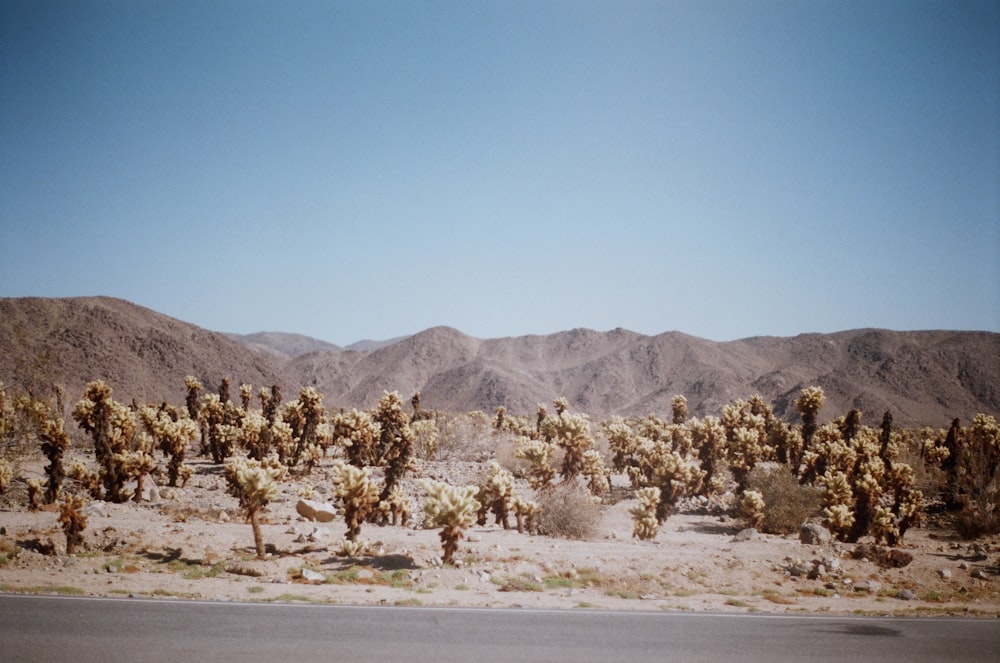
(364,170)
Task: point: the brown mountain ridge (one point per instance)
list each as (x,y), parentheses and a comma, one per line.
(922,377)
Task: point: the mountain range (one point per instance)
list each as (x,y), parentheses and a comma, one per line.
(924,378)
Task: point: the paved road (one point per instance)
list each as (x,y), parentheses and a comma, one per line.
(77,629)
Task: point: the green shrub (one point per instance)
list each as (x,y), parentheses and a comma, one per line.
(787,504)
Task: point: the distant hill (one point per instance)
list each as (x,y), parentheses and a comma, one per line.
(923,377)
(284,344)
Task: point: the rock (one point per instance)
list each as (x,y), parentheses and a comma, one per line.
(94,509)
(944,573)
(813,534)
(223,517)
(979,574)
(150,492)
(965,566)
(869,586)
(748,534)
(799,569)
(313,576)
(313,510)
(906,595)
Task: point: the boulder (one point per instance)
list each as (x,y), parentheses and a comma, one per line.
(313,510)
(814,534)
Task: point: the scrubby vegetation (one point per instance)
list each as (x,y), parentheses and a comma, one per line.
(544,473)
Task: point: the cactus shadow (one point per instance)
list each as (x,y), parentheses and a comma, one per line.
(379,562)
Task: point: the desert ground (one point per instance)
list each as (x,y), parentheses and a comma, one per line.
(191,543)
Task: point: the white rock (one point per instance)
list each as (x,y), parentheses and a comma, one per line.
(313,510)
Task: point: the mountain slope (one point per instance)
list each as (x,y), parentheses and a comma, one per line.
(923,377)
(142,354)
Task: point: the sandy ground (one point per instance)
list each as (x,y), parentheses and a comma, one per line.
(191,543)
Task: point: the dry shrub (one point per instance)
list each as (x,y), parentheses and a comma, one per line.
(467,436)
(568,511)
(505,453)
(787,504)
(928,478)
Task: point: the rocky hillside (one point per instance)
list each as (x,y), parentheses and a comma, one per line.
(924,378)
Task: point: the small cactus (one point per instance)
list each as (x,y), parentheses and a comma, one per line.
(452,509)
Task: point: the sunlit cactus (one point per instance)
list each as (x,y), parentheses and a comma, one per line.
(495,495)
(808,404)
(305,417)
(35,487)
(354,489)
(526,514)
(73,521)
(452,509)
(254,484)
(111,426)
(645,524)
(709,440)
(395,439)
(752,508)
(6,475)
(538,454)
(571,433)
(55,441)
(172,435)
(679,409)
(358,434)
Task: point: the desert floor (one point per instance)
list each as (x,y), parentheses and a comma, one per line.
(191,543)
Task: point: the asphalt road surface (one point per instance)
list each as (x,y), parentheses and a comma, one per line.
(36,628)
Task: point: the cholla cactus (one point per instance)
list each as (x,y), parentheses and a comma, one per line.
(112,427)
(6,475)
(752,508)
(395,509)
(90,481)
(34,490)
(645,524)
(173,433)
(348,548)
(808,404)
(708,437)
(213,417)
(357,493)
(525,513)
(496,494)
(679,409)
(452,509)
(73,521)
(55,441)
(395,440)
(593,468)
(305,417)
(358,434)
(621,440)
(571,433)
(255,484)
(538,453)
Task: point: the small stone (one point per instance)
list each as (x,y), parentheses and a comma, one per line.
(945,574)
(748,534)
(473,538)
(965,566)
(223,517)
(906,595)
(313,510)
(979,574)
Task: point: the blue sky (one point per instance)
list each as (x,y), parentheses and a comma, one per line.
(353,170)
